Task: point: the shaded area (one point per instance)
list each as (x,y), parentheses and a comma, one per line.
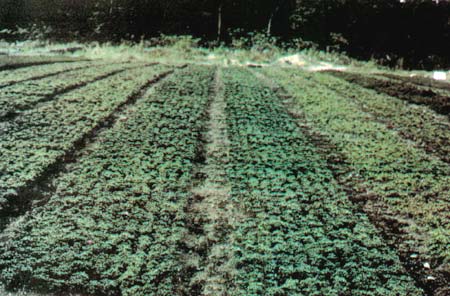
(414,34)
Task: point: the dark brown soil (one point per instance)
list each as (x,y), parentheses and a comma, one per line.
(404,91)
(420,80)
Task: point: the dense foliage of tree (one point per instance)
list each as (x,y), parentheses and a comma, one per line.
(384,29)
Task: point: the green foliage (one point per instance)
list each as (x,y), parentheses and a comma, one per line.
(299,43)
(40,137)
(413,122)
(21,74)
(25,92)
(253,40)
(412,186)
(32,32)
(177,42)
(115,223)
(301,235)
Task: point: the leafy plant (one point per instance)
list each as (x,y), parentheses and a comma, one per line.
(409,184)
(301,235)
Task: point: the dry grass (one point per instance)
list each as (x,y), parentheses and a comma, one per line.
(213,209)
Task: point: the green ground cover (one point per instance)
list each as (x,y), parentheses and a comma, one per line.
(39,71)
(24,95)
(406,189)
(130,178)
(115,223)
(302,236)
(40,137)
(14,62)
(413,122)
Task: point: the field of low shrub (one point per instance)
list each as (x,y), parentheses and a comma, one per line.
(133,178)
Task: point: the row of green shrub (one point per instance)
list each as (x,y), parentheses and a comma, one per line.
(40,137)
(25,92)
(115,224)
(26,73)
(400,111)
(403,187)
(301,234)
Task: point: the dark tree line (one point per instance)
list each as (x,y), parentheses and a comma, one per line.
(416,31)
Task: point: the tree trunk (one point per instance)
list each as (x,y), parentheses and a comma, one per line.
(111,7)
(219,22)
(269,25)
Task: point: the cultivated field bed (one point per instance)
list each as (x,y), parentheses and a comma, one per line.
(134,178)
(8,62)
(435,96)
